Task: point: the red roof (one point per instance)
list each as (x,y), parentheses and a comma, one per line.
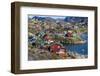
(55,47)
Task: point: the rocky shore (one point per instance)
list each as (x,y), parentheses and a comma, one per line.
(40,54)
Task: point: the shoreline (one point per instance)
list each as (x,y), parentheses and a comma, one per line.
(39,54)
(77,55)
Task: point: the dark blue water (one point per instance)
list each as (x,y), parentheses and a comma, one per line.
(79,48)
